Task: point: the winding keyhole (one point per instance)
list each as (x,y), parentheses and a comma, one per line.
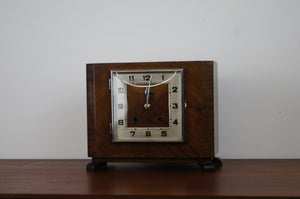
(135,119)
(160,118)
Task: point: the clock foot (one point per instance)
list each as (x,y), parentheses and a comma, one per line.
(210,164)
(96,166)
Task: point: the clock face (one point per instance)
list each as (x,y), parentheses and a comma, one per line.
(147,105)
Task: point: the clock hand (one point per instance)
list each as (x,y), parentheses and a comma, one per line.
(147,92)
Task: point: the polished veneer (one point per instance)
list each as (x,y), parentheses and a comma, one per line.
(69,179)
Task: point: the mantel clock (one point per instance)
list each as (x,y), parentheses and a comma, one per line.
(152,112)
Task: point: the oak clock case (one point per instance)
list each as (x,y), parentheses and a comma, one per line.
(152,112)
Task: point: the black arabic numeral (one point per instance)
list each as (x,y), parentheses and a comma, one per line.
(132,133)
(175,106)
(175,122)
(120,122)
(174,89)
(146,77)
(131,78)
(120,90)
(148,133)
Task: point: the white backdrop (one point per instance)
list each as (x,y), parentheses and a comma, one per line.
(44,46)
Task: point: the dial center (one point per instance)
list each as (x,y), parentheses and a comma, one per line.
(147,106)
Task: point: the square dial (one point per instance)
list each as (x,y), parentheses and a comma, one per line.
(147,105)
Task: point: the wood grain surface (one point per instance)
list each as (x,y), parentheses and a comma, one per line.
(69,179)
(148,118)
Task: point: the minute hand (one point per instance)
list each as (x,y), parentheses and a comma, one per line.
(147,92)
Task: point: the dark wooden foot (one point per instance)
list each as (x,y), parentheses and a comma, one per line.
(210,164)
(96,166)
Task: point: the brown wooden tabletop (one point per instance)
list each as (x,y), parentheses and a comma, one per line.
(69,179)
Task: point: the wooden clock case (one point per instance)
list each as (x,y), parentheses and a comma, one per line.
(200,118)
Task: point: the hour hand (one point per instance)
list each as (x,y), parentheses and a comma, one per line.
(146,91)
